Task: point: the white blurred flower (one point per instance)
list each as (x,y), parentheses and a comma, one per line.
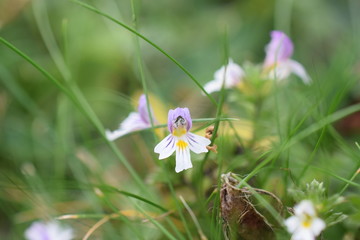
(304,225)
(48,231)
(233,76)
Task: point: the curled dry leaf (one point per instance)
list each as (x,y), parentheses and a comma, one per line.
(208,134)
(241,219)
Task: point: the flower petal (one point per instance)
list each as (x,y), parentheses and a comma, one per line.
(50,230)
(166,147)
(213,86)
(280,71)
(234,74)
(197,143)
(292,223)
(132,123)
(179,112)
(299,70)
(303,234)
(305,207)
(279,49)
(183,160)
(317,226)
(58,232)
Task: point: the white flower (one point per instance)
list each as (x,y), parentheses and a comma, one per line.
(304,225)
(135,121)
(233,76)
(181,140)
(48,231)
(278,64)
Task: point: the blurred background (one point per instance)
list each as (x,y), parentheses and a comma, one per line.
(51,156)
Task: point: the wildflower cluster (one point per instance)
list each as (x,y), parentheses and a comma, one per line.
(313,211)
(277,65)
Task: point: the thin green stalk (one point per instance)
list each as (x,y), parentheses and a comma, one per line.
(356,172)
(93,9)
(141,68)
(155,222)
(303,134)
(83,106)
(178,207)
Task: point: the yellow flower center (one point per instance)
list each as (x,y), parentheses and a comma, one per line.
(178,132)
(306,223)
(181,144)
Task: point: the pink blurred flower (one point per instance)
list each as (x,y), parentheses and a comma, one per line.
(48,231)
(278,63)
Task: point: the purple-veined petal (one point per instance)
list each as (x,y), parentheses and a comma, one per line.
(183,160)
(132,123)
(299,70)
(279,49)
(197,143)
(166,147)
(317,226)
(292,223)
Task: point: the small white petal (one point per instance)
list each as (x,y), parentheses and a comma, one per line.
(132,123)
(112,135)
(58,232)
(280,72)
(183,160)
(292,223)
(317,226)
(197,143)
(213,86)
(303,234)
(231,77)
(48,231)
(299,70)
(166,147)
(305,207)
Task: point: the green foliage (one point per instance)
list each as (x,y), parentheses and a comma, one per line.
(71,69)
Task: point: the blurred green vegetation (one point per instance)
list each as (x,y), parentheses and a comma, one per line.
(53,161)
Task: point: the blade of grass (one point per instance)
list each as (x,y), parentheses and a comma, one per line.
(81,103)
(141,68)
(95,10)
(18,92)
(303,134)
(196,222)
(128,194)
(155,222)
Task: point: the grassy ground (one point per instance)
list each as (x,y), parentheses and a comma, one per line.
(69,70)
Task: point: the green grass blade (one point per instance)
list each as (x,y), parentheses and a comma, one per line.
(93,9)
(81,103)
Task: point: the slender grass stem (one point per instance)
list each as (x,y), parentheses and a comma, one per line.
(93,9)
